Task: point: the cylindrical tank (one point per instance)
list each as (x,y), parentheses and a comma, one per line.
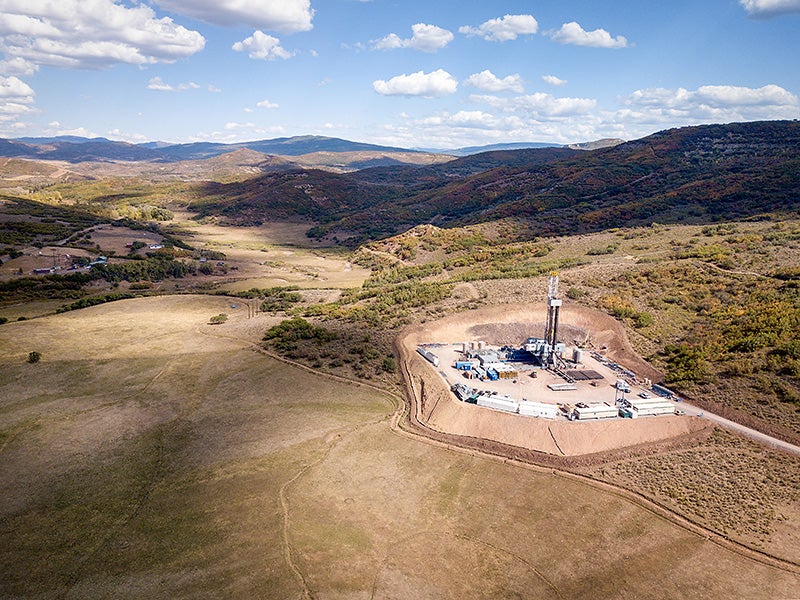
(481,345)
(577,355)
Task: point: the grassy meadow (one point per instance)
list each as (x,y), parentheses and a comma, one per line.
(150,454)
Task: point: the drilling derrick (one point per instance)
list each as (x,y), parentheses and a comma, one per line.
(551,329)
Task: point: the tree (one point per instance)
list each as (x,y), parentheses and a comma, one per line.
(218,319)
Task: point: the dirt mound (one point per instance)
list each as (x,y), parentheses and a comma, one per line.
(435,407)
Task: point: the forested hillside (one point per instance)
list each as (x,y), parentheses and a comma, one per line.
(699,174)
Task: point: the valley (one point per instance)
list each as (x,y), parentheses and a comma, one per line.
(228,402)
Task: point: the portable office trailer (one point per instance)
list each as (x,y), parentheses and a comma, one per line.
(596,411)
(644,408)
(498,403)
(538,409)
(647,401)
(562,387)
(429,356)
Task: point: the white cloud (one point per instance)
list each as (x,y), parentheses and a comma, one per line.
(287,16)
(212,88)
(710,103)
(15,89)
(541,105)
(267,104)
(233,126)
(503,29)
(428,38)
(489,82)
(436,83)
(18,66)
(553,80)
(16,98)
(90,34)
(262,46)
(572,33)
(133,138)
(770,8)
(157,84)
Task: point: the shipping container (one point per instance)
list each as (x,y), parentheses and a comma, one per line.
(429,356)
(648,407)
(498,403)
(596,411)
(538,409)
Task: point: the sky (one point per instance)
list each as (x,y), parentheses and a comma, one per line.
(408,73)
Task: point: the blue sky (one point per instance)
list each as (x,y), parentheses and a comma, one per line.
(410,73)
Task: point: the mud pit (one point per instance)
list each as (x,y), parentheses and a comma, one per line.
(436,408)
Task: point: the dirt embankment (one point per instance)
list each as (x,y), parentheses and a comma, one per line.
(438,413)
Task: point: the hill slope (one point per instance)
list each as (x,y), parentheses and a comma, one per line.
(694,175)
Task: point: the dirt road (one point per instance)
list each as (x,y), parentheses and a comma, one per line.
(762,438)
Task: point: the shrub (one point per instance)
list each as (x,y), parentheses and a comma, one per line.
(34,357)
(218,319)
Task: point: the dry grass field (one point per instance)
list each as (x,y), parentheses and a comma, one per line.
(274,254)
(149,454)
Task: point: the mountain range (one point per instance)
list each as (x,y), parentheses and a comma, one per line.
(693,174)
(76,149)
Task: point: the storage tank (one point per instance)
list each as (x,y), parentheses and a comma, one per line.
(577,355)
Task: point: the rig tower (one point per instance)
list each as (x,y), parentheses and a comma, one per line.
(551,329)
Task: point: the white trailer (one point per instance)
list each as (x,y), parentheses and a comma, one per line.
(663,407)
(596,411)
(503,403)
(538,409)
(562,387)
(429,356)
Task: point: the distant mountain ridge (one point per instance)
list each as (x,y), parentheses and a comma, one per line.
(702,174)
(76,149)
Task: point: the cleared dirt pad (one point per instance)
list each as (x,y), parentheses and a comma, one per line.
(504,324)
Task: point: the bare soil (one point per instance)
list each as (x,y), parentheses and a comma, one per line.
(439,410)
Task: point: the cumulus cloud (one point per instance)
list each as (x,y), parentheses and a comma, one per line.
(158,85)
(17,66)
(770,8)
(262,46)
(541,105)
(553,80)
(436,83)
(16,98)
(287,16)
(489,82)
(572,33)
(13,87)
(504,29)
(428,38)
(90,34)
(267,104)
(712,103)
